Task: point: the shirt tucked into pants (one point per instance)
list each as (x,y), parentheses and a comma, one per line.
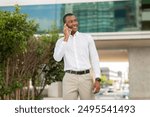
(74,85)
(79,53)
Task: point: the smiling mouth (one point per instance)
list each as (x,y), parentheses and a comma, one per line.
(75,27)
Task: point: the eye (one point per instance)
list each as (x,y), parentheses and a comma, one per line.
(75,20)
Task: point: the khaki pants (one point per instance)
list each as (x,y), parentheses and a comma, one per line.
(77,86)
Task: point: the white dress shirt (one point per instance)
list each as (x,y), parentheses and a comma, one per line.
(79,53)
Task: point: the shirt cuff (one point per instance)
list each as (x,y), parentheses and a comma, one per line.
(97,76)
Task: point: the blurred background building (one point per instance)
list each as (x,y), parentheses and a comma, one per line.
(145,11)
(99,16)
(105,16)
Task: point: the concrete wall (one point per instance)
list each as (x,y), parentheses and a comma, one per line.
(139,72)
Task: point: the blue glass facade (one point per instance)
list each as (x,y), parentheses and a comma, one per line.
(145,9)
(93,17)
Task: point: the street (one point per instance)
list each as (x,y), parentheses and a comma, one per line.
(116,95)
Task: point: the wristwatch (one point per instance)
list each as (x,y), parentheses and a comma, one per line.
(98,79)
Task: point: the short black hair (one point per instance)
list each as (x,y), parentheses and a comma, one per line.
(66,15)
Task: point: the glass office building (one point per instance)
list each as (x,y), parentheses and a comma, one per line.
(145,9)
(114,16)
(104,16)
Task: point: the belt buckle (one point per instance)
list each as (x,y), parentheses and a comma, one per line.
(84,71)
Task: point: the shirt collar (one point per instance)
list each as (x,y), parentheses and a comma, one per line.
(76,34)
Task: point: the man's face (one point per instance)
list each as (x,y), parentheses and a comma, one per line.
(72,23)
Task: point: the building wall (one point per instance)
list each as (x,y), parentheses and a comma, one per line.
(139,73)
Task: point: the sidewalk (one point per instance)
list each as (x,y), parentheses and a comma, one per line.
(108,96)
(52,98)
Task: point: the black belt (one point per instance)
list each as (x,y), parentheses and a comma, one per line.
(78,72)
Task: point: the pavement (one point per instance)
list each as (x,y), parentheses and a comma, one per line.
(106,96)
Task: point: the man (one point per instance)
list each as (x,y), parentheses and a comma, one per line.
(79,53)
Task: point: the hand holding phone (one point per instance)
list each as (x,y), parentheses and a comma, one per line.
(67,32)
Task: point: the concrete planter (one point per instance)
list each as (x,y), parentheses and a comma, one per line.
(55,89)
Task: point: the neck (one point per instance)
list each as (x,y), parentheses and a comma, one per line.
(72,33)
